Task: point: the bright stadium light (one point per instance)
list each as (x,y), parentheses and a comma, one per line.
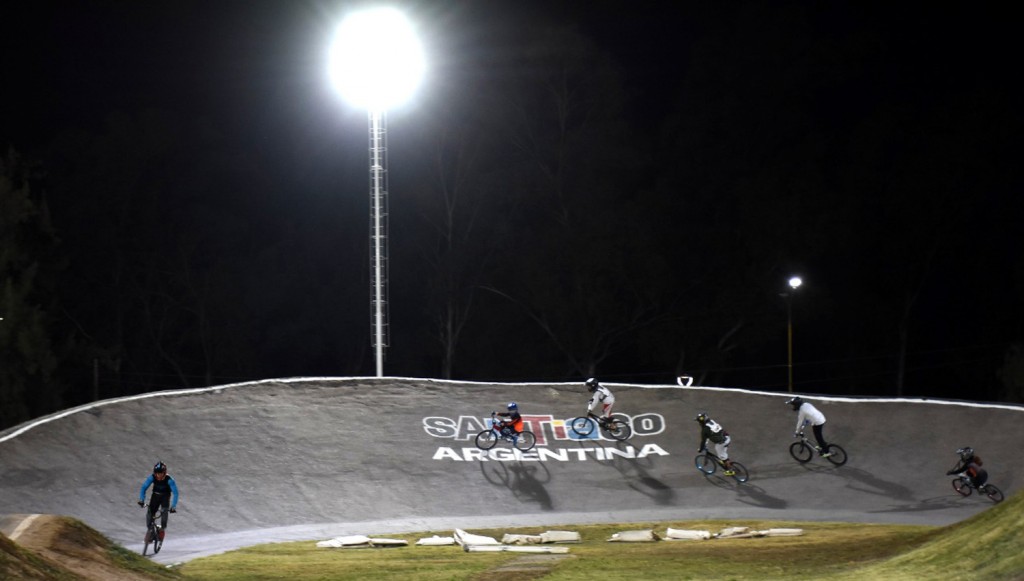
(376,63)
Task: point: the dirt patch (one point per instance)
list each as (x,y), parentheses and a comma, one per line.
(19,563)
(83,552)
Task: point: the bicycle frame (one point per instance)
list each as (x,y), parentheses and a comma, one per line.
(496,427)
(803,451)
(966,483)
(522,441)
(156,516)
(715,457)
(614,427)
(738,470)
(154,526)
(814,445)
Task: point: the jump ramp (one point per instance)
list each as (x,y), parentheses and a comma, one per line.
(314,458)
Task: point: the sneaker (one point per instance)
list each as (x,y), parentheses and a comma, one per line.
(729,473)
(825,454)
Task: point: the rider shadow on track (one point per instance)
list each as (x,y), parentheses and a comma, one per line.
(864,481)
(746,492)
(754,495)
(525,479)
(636,475)
(934,503)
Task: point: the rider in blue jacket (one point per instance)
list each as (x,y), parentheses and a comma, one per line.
(165,494)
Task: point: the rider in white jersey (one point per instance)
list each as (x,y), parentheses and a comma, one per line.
(601,401)
(808,414)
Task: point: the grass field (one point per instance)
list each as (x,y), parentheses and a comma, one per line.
(826,548)
(988,546)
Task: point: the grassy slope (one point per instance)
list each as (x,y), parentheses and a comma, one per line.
(989,545)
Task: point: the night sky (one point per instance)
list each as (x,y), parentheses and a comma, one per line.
(604,188)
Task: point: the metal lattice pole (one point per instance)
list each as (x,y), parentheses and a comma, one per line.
(378,235)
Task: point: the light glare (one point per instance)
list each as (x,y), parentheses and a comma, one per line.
(376,61)
(795,282)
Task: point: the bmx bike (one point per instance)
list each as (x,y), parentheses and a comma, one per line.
(707,462)
(804,450)
(615,427)
(487,439)
(154,531)
(963,485)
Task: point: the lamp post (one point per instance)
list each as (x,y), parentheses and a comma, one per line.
(794,283)
(376,63)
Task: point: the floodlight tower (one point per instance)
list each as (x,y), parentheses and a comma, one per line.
(376,63)
(794,283)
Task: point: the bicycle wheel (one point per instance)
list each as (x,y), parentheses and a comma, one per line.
(705,463)
(962,486)
(741,475)
(618,428)
(800,452)
(525,441)
(838,456)
(486,439)
(992,492)
(582,426)
(150,537)
(157,544)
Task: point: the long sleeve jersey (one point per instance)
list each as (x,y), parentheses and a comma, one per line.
(712,430)
(161,488)
(970,465)
(810,415)
(602,396)
(514,419)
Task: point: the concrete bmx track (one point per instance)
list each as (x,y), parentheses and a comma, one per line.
(314,458)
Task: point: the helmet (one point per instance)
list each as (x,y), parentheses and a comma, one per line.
(796,402)
(702,417)
(592,384)
(159,468)
(965,452)
(512,406)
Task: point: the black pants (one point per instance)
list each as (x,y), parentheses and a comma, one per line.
(980,477)
(156,502)
(820,438)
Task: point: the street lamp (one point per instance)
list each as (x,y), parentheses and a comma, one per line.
(376,63)
(794,283)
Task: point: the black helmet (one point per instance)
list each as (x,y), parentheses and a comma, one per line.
(592,384)
(796,402)
(965,452)
(702,417)
(159,468)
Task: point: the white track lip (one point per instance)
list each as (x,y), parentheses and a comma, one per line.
(23,526)
(172,393)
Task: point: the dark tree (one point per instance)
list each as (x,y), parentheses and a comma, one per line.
(29,384)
